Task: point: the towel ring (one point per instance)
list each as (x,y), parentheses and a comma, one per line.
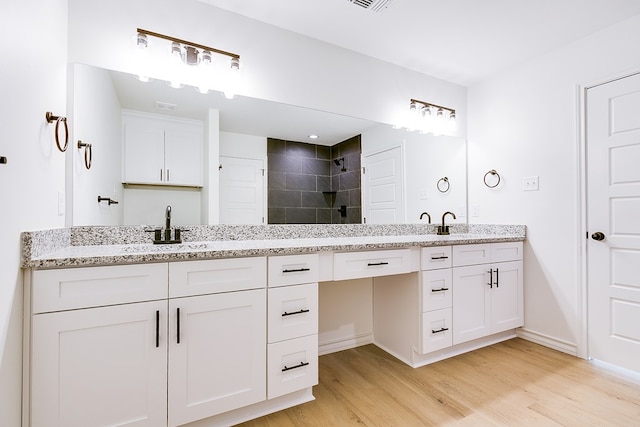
(494,173)
(443,185)
(87,153)
(59,119)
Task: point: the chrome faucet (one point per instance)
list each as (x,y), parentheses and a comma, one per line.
(167,225)
(427,214)
(443,230)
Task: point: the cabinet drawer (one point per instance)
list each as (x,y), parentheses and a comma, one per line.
(292,365)
(436,287)
(436,330)
(435,257)
(71,288)
(214,276)
(471,254)
(506,251)
(293,312)
(354,265)
(293,269)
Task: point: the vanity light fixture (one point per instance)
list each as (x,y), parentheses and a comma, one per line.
(187,63)
(431,118)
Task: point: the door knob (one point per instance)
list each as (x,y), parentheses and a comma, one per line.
(598,236)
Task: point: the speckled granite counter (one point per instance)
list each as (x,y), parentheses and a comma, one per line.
(91,246)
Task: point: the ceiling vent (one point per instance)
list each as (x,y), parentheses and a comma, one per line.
(165,106)
(374,5)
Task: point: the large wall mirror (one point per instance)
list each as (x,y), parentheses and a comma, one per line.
(405,174)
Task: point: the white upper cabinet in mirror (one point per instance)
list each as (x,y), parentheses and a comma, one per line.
(236,128)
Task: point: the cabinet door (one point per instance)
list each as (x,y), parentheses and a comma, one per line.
(143,152)
(471,303)
(217,354)
(183,155)
(100,366)
(507,303)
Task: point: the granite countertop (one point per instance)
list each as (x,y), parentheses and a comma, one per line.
(88,246)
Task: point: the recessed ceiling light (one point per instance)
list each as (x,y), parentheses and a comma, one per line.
(313,136)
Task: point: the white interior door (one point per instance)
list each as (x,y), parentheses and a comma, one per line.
(382,187)
(242,191)
(613,209)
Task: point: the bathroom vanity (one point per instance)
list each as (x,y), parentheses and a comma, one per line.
(224,327)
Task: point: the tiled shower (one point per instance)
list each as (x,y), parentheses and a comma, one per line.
(311,184)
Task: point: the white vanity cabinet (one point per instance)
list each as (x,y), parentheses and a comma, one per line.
(146,344)
(217,338)
(103,365)
(161,151)
(292,350)
(487,289)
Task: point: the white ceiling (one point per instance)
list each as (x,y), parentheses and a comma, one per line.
(462,41)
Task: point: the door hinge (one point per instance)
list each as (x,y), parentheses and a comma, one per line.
(220,167)
(262,172)
(363,170)
(364,220)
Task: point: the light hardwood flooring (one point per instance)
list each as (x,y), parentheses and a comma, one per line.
(513,383)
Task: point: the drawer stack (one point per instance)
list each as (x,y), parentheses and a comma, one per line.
(436,288)
(292,324)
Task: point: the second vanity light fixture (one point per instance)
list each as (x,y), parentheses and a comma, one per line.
(431,118)
(183,62)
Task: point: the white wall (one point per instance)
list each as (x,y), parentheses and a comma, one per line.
(525,122)
(96,118)
(243,146)
(32,81)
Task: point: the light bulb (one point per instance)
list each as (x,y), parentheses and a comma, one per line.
(233,79)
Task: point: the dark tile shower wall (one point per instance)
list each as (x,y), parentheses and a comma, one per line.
(306,187)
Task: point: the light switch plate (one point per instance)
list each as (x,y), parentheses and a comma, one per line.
(530,183)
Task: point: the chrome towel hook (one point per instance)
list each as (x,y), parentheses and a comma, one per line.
(493,173)
(59,119)
(87,153)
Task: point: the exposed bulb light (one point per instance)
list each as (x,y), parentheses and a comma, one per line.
(141,56)
(233,79)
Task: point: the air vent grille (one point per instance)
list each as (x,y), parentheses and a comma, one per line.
(374,5)
(165,106)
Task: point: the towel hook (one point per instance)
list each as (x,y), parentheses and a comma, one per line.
(443,184)
(59,119)
(493,173)
(87,153)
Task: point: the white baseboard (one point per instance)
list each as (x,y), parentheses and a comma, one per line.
(548,341)
(346,344)
(625,374)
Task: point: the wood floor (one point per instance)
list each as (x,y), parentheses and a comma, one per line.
(514,383)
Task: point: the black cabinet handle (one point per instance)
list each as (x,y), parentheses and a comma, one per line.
(439,257)
(490,278)
(433,331)
(296,270)
(157,328)
(288,368)
(178,325)
(439,290)
(295,312)
(373,264)
(497,278)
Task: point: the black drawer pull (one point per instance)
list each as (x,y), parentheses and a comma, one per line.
(373,264)
(439,290)
(490,278)
(497,278)
(157,328)
(439,257)
(288,368)
(296,270)
(439,330)
(178,325)
(295,312)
